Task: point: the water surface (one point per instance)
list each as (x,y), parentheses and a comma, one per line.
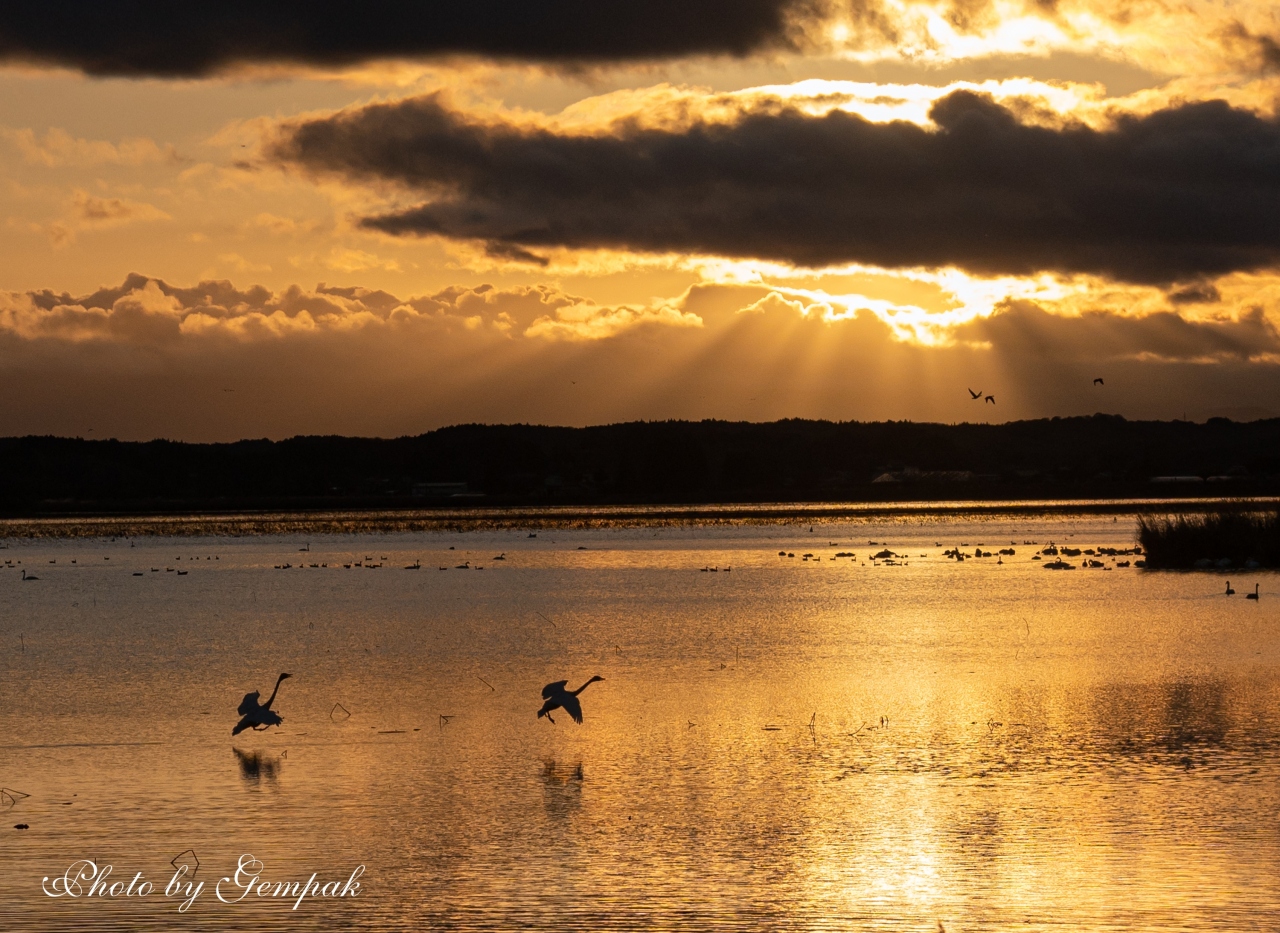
(778,744)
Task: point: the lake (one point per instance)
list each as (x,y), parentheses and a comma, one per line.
(836,743)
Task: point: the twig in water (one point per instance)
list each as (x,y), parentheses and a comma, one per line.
(12,796)
(174,861)
(553,625)
(485,682)
(444,719)
(339,706)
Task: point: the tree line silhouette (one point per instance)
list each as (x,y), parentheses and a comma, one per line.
(648,462)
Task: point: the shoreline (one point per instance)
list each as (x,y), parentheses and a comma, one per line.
(319,522)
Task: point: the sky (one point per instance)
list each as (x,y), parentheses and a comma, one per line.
(263,220)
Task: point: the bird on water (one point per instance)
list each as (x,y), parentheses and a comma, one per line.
(558,697)
(258,716)
(1230,591)
(1254,594)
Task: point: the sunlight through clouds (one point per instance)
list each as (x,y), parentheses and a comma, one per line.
(929,185)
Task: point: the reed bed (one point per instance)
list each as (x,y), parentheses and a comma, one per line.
(1227,538)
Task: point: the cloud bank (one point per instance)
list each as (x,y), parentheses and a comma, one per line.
(1183,193)
(217,362)
(153,37)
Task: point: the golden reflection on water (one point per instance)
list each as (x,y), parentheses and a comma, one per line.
(789,744)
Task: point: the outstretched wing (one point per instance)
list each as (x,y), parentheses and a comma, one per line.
(243,724)
(551,690)
(248,704)
(573,708)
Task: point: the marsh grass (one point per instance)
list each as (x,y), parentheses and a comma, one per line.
(1236,534)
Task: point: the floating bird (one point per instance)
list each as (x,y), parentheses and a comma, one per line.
(558,697)
(29,576)
(991,399)
(258,716)
(1230,591)
(976,395)
(1099,382)
(1254,594)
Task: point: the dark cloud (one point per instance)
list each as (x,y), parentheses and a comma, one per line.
(1202,293)
(1024,330)
(1188,192)
(1256,50)
(515,252)
(156,37)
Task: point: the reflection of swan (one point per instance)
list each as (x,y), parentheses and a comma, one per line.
(557,697)
(254,766)
(562,788)
(257,715)
(552,773)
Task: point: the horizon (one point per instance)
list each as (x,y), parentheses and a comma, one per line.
(647,421)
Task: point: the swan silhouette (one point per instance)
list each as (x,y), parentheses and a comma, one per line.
(1099,382)
(976,395)
(991,399)
(558,697)
(258,716)
(1230,591)
(1254,594)
(29,576)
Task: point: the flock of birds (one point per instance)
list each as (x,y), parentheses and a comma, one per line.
(992,399)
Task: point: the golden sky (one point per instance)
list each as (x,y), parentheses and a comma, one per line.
(383,218)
